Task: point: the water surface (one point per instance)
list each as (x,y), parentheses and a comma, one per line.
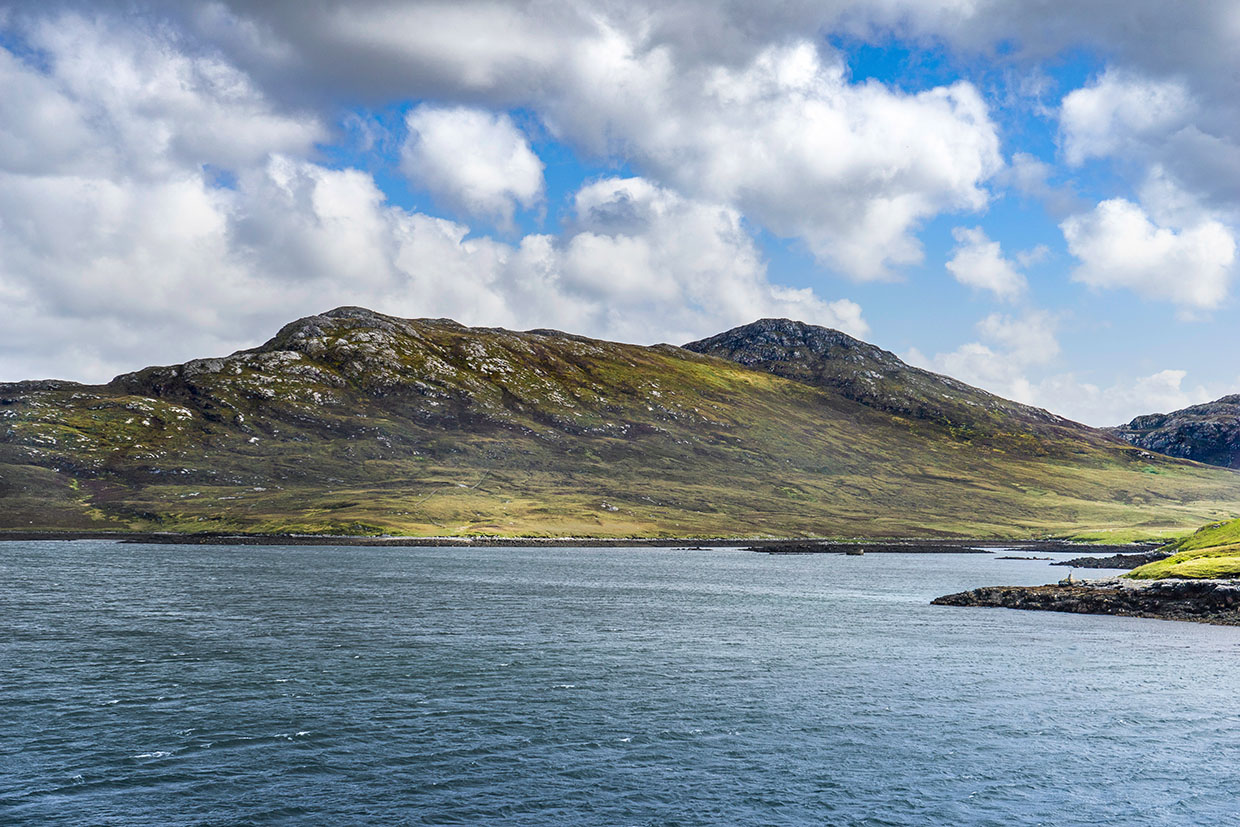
(311,685)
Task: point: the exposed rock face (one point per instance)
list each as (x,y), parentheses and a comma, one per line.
(1202,601)
(1208,433)
(875,377)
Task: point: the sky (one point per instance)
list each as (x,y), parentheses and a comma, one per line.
(1039,197)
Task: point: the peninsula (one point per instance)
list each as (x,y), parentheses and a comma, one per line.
(1198,579)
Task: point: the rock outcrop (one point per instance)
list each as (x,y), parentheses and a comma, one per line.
(1114,561)
(1202,601)
(1208,433)
(879,379)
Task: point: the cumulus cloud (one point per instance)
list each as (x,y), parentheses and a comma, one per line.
(771,125)
(636,242)
(555,57)
(978,262)
(1159,392)
(1120,247)
(1178,243)
(701,96)
(849,169)
(1101,118)
(1009,346)
(1014,353)
(475,161)
(1163,138)
(117,254)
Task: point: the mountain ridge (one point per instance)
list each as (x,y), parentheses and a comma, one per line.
(863,372)
(352,421)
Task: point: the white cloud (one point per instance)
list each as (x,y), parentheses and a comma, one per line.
(978,262)
(133,255)
(1163,137)
(598,68)
(1066,394)
(1119,247)
(120,249)
(691,264)
(850,169)
(1028,340)
(1013,350)
(134,103)
(477,162)
(1009,347)
(1118,108)
(1034,255)
(1178,243)
(755,112)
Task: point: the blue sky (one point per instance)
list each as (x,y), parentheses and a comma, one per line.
(1038,199)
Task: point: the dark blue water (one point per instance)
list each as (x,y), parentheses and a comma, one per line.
(200,685)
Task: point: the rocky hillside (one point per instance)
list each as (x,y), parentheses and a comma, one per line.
(1207,433)
(876,378)
(356,422)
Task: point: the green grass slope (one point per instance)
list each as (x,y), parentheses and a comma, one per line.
(357,423)
(1211,552)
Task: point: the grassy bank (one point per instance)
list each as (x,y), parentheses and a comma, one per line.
(1212,552)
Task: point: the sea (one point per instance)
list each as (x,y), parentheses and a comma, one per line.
(218,685)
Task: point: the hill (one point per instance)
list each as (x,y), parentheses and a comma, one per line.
(876,378)
(354,422)
(1208,433)
(1210,553)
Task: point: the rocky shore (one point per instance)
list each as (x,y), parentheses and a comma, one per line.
(1115,561)
(785,546)
(1201,601)
(941,546)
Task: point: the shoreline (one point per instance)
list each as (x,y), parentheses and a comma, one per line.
(828,546)
(1215,602)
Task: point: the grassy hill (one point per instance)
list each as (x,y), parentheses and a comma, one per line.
(1211,552)
(354,422)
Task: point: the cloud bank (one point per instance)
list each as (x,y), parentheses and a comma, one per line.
(179,179)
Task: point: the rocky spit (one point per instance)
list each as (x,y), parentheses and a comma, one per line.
(1201,601)
(1115,561)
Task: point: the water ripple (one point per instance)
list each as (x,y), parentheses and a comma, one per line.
(208,685)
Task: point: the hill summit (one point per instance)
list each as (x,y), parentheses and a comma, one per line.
(874,377)
(356,422)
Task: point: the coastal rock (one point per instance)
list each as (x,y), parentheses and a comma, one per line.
(1115,561)
(1201,601)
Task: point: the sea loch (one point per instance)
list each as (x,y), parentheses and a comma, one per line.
(317,685)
